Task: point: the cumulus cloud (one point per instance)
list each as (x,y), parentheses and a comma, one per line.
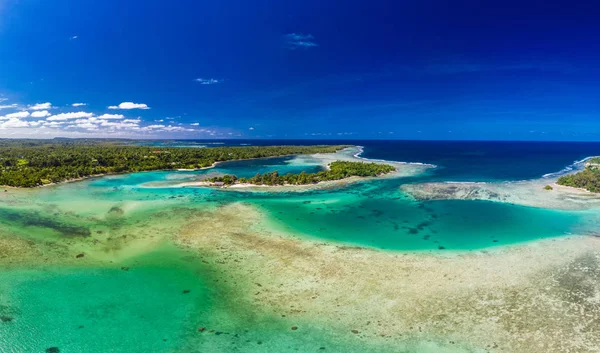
(109,121)
(40,114)
(111,116)
(87,124)
(208,81)
(41,106)
(251,128)
(8,106)
(68,116)
(14,123)
(73,37)
(165,128)
(17,115)
(293,41)
(129,105)
(53,123)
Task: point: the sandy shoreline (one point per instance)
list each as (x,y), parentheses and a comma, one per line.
(525,193)
(403,169)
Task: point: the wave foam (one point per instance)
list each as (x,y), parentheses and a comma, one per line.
(568,168)
(361,149)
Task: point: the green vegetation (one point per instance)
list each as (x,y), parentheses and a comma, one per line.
(595,160)
(29,163)
(548,187)
(337,170)
(588,179)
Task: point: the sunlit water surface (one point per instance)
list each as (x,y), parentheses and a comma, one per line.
(156,301)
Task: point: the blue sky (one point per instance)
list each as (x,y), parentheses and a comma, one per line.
(527,70)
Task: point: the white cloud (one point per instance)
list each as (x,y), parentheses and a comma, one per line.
(208,81)
(293,41)
(73,37)
(195,124)
(251,128)
(118,124)
(17,115)
(111,116)
(8,106)
(78,104)
(41,106)
(53,123)
(14,123)
(40,114)
(165,128)
(105,121)
(91,123)
(176,128)
(67,116)
(129,105)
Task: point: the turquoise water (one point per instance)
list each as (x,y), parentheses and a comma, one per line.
(162,301)
(156,302)
(138,306)
(436,225)
(374,213)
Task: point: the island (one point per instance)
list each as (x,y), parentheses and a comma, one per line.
(32,163)
(337,170)
(588,178)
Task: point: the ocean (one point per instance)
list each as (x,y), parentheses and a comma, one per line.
(135,291)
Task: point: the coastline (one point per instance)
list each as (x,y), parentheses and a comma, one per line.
(498,299)
(403,169)
(526,193)
(143,171)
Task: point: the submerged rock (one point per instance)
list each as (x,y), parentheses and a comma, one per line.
(52,350)
(116,211)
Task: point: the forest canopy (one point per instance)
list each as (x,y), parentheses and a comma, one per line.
(337,170)
(588,179)
(30,163)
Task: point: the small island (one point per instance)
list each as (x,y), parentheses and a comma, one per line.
(32,163)
(337,170)
(588,178)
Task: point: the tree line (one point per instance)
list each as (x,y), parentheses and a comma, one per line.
(588,179)
(30,163)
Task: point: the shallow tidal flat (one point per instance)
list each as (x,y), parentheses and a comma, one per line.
(359,268)
(526,193)
(541,296)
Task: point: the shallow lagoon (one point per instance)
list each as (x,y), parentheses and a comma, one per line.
(144,308)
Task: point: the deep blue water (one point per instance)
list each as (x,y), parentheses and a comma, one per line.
(456,160)
(485,161)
